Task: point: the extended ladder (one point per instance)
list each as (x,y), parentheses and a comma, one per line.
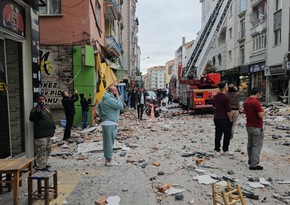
(202,46)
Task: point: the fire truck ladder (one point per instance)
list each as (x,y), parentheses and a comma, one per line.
(200,51)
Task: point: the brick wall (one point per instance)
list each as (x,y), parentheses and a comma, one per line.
(56,73)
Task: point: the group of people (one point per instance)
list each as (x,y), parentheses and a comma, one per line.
(227,105)
(44,126)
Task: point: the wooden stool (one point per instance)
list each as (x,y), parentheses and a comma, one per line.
(228,194)
(45,192)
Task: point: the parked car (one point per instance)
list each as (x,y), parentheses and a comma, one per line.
(151,95)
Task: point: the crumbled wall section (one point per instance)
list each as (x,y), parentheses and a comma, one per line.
(56,73)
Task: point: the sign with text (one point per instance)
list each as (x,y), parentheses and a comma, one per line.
(257,67)
(277,70)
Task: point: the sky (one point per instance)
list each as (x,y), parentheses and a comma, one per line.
(162,24)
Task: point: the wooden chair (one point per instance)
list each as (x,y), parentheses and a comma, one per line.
(45,191)
(227,195)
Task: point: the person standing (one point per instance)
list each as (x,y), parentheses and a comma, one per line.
(254,114)
(169,95)
(44,128)
(235,98)
(222,119)
(69,108)
(109,111)
(141,102)
(85,109)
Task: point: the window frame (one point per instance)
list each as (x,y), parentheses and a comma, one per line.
(48,8)
(278,4)
(277,37)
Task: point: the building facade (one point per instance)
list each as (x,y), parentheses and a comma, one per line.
(76,38)
(131,55)
(156,77)
(19,74)
(252,50)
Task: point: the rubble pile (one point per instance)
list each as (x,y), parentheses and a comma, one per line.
(176,156)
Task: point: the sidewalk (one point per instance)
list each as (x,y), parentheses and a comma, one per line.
(82,183)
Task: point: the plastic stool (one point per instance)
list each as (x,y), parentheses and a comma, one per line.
(45,192)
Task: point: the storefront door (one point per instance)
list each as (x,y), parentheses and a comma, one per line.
(11,99)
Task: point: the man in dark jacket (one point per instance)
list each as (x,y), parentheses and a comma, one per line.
(85,109)
(69,108)
(44,129)
(141,98)
(222,119)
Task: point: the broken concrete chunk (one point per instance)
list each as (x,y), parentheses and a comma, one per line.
(113,200)
(255,184)
(173,191)
(179,197)
(204,179)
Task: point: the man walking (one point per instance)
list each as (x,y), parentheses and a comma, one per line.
(254,114)
(109,111)
(222,119)
(44,129)
(140,102)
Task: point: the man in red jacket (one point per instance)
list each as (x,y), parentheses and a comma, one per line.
(254,114)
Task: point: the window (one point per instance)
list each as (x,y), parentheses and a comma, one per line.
(259,42)
(243,5)
(242,54)
(259,13)
(230,56)
(98,12)
(213,60)
(53,7)
(220,59)
(243,29)
(278,5)
(277,36)
(231,33)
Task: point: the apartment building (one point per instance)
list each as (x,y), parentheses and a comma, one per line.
(278,52)
(131,55)
(156,77)
(19,76)
(169,65)
(251,49)
(76,37)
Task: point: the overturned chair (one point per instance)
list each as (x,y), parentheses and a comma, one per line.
(227,195)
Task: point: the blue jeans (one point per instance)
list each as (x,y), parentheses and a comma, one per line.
(85,119)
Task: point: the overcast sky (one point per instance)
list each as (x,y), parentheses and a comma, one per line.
(162,24)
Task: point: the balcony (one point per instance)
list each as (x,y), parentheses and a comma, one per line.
(112,46)
(258,28)
(112,8)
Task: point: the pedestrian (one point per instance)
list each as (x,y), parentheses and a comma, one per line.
(69,108)
(254,114)
(169,95)
(134,97)
(44,129)
(222,119)
(109,111)
(235,98)
(85,109)
(141,97)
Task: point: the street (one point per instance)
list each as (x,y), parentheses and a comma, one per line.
(183,145)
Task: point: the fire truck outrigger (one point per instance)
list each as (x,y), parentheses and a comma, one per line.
(194,87)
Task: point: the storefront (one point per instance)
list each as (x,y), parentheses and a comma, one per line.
(16,84)
(231,76)
(244,81)
(257,77)
(279,83)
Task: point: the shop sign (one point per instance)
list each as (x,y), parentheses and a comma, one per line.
(12,17)
(277,70)
(257,67)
